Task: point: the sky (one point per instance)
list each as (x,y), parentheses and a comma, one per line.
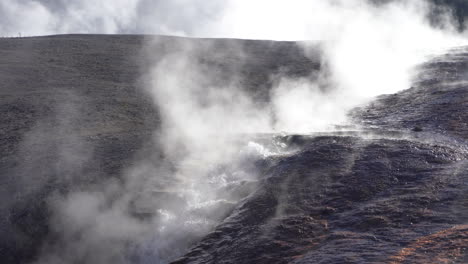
(43,17)
(256,19)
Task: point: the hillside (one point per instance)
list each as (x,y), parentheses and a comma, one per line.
(75,116)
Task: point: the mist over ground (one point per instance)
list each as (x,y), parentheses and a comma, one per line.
(137,148)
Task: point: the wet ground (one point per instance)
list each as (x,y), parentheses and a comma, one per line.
(392,189)
(74,114)
(394,192)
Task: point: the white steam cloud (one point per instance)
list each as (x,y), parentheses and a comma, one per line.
(45,17)
(367,50)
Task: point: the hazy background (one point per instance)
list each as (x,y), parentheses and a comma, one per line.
(199,18)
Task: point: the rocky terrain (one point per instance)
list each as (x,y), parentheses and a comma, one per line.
(395,192)
(74,113)
(392,189)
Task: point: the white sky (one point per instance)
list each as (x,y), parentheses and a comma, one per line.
(256,19)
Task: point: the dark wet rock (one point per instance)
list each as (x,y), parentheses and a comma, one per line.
(347,199)
(447,246)
(385,194)
(342,199)
(83,95)
(436,102)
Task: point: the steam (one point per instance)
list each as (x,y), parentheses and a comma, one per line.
(207,133)
(367,51)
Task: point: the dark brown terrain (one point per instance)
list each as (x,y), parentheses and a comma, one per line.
(396,191)
(395,194)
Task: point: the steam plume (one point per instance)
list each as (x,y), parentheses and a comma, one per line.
(367,50)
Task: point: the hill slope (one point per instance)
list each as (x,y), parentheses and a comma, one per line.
(74,115)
